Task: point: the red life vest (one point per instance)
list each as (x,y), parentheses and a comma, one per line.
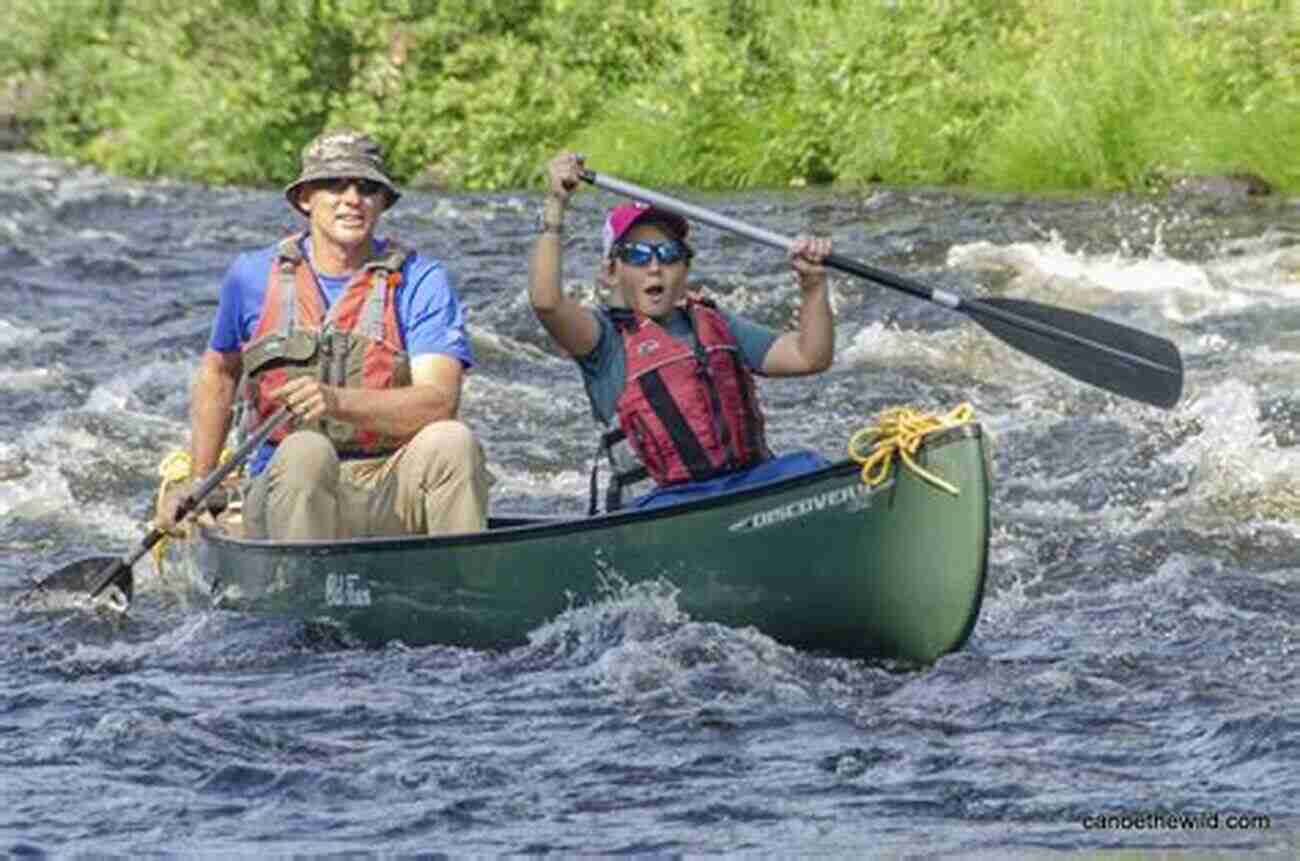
(357,343)
(688,414)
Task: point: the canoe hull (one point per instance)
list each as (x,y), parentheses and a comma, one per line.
(820,562)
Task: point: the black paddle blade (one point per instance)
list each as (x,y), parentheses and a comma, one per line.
(1108,355)
(78,577)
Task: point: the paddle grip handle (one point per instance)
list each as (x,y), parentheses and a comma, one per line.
(687,210)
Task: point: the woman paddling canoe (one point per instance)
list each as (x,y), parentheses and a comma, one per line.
(669,372)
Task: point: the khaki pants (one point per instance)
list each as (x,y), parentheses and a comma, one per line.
(436,484)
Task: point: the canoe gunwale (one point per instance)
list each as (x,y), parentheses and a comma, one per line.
(537,526)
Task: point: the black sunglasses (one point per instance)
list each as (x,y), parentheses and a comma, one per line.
(639,253)
(340,185)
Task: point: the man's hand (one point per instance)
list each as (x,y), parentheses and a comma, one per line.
(308,399)
(165,517)
(209,507)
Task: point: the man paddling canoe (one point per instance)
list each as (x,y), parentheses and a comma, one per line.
(364,341)
(671,371)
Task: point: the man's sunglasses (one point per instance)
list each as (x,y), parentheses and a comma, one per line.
(339,185)
(639,253)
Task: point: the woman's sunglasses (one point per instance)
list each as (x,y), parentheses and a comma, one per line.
(639,253)
(365,187)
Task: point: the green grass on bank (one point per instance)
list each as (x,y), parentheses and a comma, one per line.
(1029,95)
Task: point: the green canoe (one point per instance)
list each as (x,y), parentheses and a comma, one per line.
(819,561)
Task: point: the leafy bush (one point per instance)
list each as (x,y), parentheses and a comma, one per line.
(1122,93)
(1022,94)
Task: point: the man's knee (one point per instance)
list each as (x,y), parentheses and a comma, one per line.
(449,442)
(305,455)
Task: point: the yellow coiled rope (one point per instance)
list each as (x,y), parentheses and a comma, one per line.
(899,431)
(174,468)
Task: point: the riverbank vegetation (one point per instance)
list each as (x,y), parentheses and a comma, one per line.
(1028,95)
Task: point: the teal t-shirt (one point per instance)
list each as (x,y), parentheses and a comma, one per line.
(604,369)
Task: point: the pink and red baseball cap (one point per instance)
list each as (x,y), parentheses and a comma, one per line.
(623,217)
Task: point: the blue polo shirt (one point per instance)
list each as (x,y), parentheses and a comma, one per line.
(429,315)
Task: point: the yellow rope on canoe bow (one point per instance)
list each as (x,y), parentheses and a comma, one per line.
(900,431)
(174,468)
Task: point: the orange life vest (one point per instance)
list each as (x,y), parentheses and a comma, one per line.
(357,343)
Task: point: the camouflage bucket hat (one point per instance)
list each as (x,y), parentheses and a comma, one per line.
(341,154)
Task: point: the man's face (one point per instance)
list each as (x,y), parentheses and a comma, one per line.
(655,288)
(344,211)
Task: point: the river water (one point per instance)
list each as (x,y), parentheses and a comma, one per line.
(1135,659)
